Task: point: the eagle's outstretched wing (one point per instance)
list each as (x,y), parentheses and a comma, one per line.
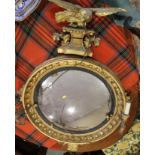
(107,11)
(66,5)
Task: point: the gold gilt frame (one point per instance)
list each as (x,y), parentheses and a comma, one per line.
(73,141)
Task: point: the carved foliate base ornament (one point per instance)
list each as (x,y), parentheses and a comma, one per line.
(72,98)
(76,41)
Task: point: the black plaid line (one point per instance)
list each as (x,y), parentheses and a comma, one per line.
(46,24)
(44,140)
(39,141)
(41,21)
(44,21)
(120,37)
(101,28)
(97,3)
(114,44)
(53,52)
(28,25)
(23,79)
(115,60)
(37,138)
(30,138)
(20,77)
(36,15)
(20,42)
(16,28)
(126,57)
(106,23)
(23,72)
(26,63)
(41,43)
(127,73)
(123,53)
(27,29)
(122,70)
(16,54)
(39,40)
(19,110)
(18,74)
(111,42)
(21,113)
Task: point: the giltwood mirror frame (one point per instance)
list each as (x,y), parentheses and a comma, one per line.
(103,137)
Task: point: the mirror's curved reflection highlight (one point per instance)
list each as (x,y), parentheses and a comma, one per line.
(74,100)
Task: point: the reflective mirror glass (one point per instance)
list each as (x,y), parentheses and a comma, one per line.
(74,100)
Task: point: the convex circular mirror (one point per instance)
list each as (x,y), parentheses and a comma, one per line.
(73,100)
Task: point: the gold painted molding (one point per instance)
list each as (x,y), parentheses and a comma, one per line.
(74,140)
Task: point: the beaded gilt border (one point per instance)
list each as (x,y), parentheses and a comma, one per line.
(48,130)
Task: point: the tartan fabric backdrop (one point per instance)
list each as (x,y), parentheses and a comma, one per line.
(34,45)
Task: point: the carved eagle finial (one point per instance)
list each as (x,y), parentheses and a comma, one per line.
(75,14)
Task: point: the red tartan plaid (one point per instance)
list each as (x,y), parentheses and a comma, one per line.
(34,45)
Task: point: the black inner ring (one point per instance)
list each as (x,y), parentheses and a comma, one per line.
(36,93)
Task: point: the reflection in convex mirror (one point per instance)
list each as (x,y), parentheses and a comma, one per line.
(74,100)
